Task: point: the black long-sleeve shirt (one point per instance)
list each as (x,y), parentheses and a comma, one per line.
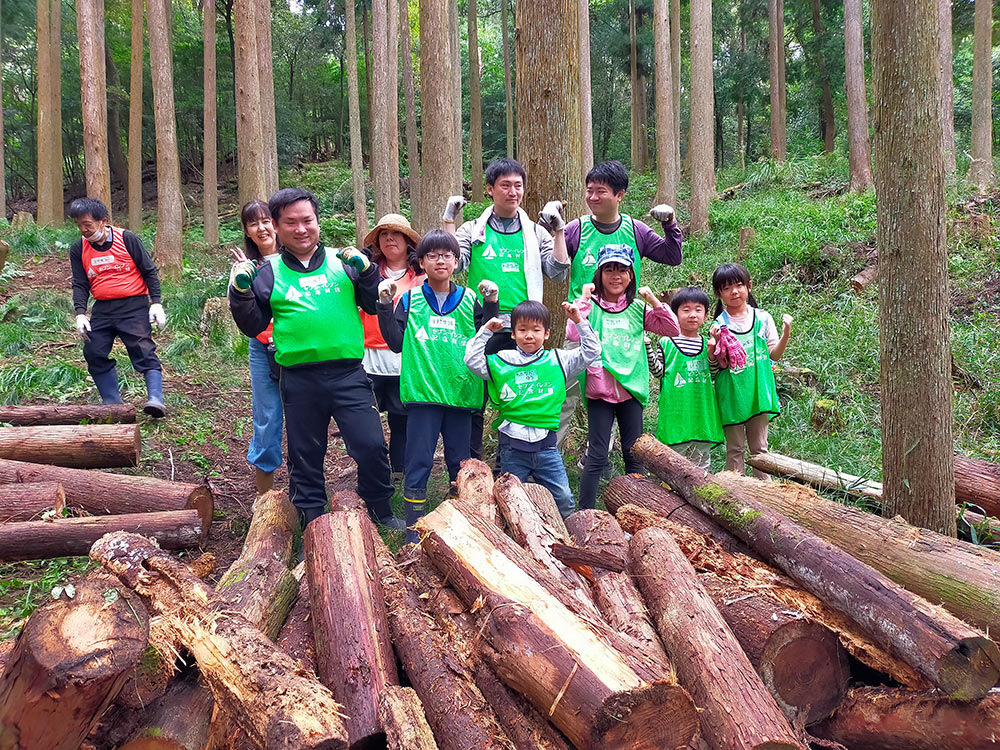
(143,263)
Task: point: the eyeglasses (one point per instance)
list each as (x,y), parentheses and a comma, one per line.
(446,255)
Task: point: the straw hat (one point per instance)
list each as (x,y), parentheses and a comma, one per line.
(395,223)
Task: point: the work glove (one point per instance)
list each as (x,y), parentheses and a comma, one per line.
(489,291)
(662,213)
(551,216)
(242,275)
(386,291)
(157,317)
(452,208)
(82,325)
(354,258)
(729,352)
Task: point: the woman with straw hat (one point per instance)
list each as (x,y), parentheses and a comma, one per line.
(391,246)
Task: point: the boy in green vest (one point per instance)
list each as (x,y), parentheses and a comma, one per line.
(313,296)
(431,326)
(527,385)
(688,420)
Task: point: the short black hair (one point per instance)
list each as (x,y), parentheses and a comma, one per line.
(610,173)
(504,166)
(91,207)
(437,239)
(530,310)
(286,197)
(689,295)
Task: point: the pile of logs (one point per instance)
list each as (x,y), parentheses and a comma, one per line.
(54,504)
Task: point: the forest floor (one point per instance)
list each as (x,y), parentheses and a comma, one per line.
(804,252)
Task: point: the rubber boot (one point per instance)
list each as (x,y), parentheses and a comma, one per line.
(154,393)
(264,481)
(414,512)
(107,387)
(307,516)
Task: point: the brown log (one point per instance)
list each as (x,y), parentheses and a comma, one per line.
(737,710)
(296,636)
(598,531)
(874,718)
(402,715)
(551,655)
(178,720)
(62,537)
(978,482)
(585,561)
(963,578)
(252,681)
(546,505)
(99,493)
(353,654)
(27,502)
(30,416)
(76,446)
(864,279)
(69,661)
(475,485)
(958,659)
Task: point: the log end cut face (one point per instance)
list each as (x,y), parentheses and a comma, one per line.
(970,670)
(807,670)
(658,716)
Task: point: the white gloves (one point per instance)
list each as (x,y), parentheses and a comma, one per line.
(452,208)
(551,216)
(662,213)
(489,291)
(157,317)
(82,325)
(386,291)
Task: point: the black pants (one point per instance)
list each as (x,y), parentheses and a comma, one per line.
(600,416)
(132,328)
(423,425)
(386,389)
(311,395)
(498,342)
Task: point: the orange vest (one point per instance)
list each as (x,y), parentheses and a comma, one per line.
(112,273)
(373,334)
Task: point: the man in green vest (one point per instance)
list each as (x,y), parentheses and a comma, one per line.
(313,296)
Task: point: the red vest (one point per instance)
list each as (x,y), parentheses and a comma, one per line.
(112,273)
(373,334)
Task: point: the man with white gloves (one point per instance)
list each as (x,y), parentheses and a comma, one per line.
(111,265)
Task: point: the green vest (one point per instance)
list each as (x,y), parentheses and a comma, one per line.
(501,260)
(433,369)
(315,314)
(623,353)
(688,410)
(531,394)
(750,391)
(584,263)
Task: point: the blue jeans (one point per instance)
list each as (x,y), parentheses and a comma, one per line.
(265,445)
(547,468)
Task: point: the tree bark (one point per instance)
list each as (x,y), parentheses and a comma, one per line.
(26,502)
(381,157)
(116,156)
(69,662)
(956,658)
(586,97)
(251,679)
(169,201)
(978,482)
(633,34)
(916,400)
(876,718)
(251,159)
(393,33)
(3,172)
(94,98)
(947,85)
(437,109)
(507,82)
(829,127)
(49,139)
(135,120)
(857,102)
(776,57)
(737,711)
(455,70)
(265,83)
(211,160)
(75,446)
(981,168)
(675,70)
(475,487)
(177,720)
(353,652)
(296,636)
(702,118)
(365,42)
(666,186)
(402,715)
(100,494)
(354,117)
(65,537)
(412,144)
(475,109)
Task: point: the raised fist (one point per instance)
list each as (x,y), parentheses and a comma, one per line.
(386,291)
(494,324)
(489,291)
(452,207)
(354,258)
(242,275)
(551,216)
(662,213)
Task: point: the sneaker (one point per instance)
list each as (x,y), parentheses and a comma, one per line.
(391,522)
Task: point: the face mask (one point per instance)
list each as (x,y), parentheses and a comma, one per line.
(97,238)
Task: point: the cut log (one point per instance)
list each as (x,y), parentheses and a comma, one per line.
(963,578)
(178,720)
(598,531)
(105,446)
(978,482)
(63,537)
(546,505)
(402,715)
(99,493)
(353,654)
(256,684)
(737,710)
(475,486)
(548,653)
(69,662)
(27,502)
(30,416)
(296,636)
(956,658)
(894,719)
(585,561)
(862,280)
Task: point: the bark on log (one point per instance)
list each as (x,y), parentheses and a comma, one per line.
(549,654)
(256,684)
(402,716)
(874,718)
(178,720)
(864,279)
(598,531)
(963,578)
(63,537)
(546,505)
(70,660)
(27,502)
(353,654)
(475,486)
(978,482)
(296,636)
(75,446)
(30,416)
(958,659)
(99,493)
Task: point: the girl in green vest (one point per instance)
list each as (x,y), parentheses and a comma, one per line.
(617,385)
(748,398)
